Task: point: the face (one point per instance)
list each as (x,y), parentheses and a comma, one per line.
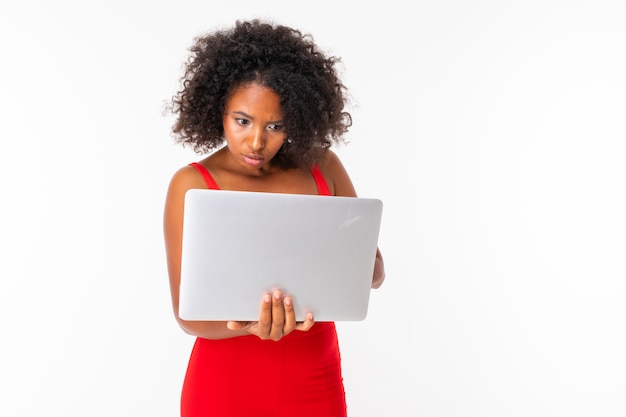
(253,126)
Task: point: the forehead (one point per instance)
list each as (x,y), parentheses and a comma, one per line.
(254,98)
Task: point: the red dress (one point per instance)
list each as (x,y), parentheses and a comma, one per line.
(298,376)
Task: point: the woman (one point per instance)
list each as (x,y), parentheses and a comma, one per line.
(274,100)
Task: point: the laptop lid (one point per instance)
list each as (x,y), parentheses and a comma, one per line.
(238,245)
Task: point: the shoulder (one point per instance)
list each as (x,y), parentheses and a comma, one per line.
(184,179)
(187,177)
(336,175)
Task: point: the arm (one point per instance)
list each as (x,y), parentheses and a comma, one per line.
(340,184)
(276,316)
(379,270)
(183,180)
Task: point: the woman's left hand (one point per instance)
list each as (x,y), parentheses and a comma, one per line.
(276,319)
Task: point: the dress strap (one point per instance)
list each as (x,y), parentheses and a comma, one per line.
(322,186)
(210,182)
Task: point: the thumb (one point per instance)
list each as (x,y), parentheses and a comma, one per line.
(236,325)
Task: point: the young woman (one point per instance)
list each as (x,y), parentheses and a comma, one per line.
(266,105)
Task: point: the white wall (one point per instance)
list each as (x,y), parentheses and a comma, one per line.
(493,131)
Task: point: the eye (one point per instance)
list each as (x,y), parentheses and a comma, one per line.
(243,122)
(275,126)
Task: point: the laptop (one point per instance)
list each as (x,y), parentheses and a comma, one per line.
(239,245)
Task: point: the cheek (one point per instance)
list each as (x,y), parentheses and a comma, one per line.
(226,125)
(277,142)
(231,130)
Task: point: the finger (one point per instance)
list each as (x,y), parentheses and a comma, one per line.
(307,323)
(235,325)
(265,318)
(239,325)
(290,316)
(278,316)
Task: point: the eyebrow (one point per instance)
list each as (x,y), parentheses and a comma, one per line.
(247,116)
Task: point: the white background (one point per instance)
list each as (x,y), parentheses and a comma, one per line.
(493,131)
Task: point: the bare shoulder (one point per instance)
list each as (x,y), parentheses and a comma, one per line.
(336,175)
(185,178)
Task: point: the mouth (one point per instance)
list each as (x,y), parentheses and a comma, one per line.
(252,159)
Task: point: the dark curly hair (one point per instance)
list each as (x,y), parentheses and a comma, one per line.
(275,56)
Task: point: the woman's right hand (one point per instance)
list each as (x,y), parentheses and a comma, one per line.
(276,320)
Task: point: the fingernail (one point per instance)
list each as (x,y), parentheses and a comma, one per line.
(267,298)
(277,295)
(288,301)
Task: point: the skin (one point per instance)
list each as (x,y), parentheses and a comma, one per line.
(254,133)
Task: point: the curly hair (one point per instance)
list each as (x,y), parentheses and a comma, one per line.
(278,57)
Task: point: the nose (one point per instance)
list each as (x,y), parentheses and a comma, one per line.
(256,140)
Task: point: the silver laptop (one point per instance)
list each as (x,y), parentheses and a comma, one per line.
(238,245)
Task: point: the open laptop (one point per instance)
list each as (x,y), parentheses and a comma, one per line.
(238,245)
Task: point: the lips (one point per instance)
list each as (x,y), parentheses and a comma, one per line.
(252,159)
